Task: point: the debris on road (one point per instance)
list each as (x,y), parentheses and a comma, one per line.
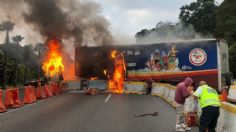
(148,114)
(92,91)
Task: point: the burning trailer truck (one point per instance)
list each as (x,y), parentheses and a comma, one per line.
(160,62)
(107,63)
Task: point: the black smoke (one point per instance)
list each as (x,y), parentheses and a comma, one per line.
(48,18)
(78,20)
(65,19)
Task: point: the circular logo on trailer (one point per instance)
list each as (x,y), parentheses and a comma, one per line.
(197,57)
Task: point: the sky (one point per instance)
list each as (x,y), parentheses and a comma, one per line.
(126,17)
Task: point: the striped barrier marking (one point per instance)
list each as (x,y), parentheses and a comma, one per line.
(132,87)
(228,107)
(156,94)
(133,92)
(143,83)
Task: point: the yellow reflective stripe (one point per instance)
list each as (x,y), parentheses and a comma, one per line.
(215,101)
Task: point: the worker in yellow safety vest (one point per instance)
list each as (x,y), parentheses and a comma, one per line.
(209,102)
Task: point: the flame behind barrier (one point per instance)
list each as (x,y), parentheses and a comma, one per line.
(53,63)
(116,82)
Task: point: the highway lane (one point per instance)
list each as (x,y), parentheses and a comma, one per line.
(77,112)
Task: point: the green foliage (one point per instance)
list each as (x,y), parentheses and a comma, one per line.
(201,15)
(19,64)
(226,29)
(9,71)
(232,59)
(7,26)
(22,63)
(17,39)
(39,48)
(226,21)
(20,72)
(29,56)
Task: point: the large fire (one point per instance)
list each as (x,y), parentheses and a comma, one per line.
(53,63)
(69,72)
(116,82)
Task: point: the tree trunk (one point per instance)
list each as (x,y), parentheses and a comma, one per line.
(15,73)
(4,72)
(7,37)
(25,75)
(40,71)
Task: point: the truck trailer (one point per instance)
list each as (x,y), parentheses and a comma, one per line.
(171,62)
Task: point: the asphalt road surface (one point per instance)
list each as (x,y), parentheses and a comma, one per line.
(76,112)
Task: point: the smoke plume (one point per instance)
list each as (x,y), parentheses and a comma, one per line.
(72,22)
(47,17)
(168,32)
(64,19)
(75,20)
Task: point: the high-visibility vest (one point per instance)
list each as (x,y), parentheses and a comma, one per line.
(209,97)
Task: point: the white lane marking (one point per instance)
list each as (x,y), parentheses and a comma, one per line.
(108,97)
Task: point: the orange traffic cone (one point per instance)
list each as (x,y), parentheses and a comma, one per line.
(224,94)
(2,106)
(16,99)
(9,102)
(29,95)
(47,91)
(57,88)
(54,89)
(32,92)
(40,93)
(26,96)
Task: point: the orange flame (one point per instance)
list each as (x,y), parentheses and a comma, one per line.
(69,72)
(93,78)
(113,54)
(105,72)
(116,83)
(53,64)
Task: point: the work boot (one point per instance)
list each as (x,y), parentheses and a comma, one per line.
(179,128)
(185,127)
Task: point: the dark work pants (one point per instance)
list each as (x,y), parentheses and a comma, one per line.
(208,119)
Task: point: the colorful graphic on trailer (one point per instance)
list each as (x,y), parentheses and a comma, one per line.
(160,61)
(156,62)
(174,57)
(197,57)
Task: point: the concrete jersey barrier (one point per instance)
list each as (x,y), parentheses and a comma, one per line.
(73,85)
(227,118)
(232,93)
(99,84)
(158,89)
(165,91)
(135,87)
